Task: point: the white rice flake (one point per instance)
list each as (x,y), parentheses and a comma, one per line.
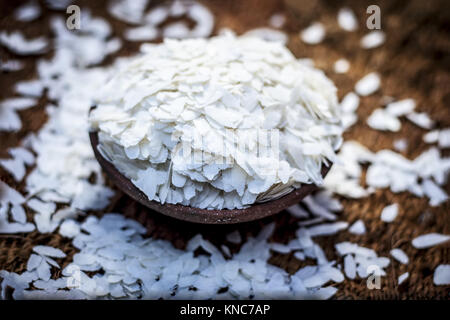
(380,119)
(32,88)
(17,43)
(28,12)
(389,213)
(399,255)
(143,33)
(349,105)
(9,195)
(11,228)
(373,39)
(444,138)
(357,228)
(347,20)
(429,240)
(9,119)
(431,137)
(436,194)
(350,266)
(11,65)
(403,277)
(401,107)
(341,66)
(277,20)
(49,252)
(421,119)
(21,157)
(130,11)
(441,275)
(57,4)
(361,258)
(69,228)
(327,229)
(369,84)
(18,214)
(401,145)
(314,34)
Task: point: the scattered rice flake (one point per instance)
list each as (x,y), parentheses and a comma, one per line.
(444,138)
(429,240)
(17,43)
(401,145)
(327,229)
(347,20)
(318,209)
(324,293)
(57,4)
(131,11)
(297,211)
(280,248)
(32,88)
(18,214)
(234,237)
(11,228)
(28,12)
(401,107)
(441,275)
(18,103)
(314,34)
(341,66)
(369,84)
(49,251)
(143,33)
(373,39)
(41,206)
(157,15)
(69,228)
(350,102)
(350,266)
(10,195)
(380,119)
(403,277)
(431,137)
(400,255)
(16,165)
(436,194)
(11,65)
(34,261)
(176,30)
(421,119)
(358,228)
(389,213)
(277,20)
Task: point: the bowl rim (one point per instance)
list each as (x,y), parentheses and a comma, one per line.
(204,216)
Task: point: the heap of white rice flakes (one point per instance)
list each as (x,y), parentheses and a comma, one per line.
(218,123)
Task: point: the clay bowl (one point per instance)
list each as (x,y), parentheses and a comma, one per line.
(196,215)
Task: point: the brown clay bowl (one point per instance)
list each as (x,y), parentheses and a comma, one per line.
(196,215)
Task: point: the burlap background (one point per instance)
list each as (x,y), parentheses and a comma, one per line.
(414,62)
